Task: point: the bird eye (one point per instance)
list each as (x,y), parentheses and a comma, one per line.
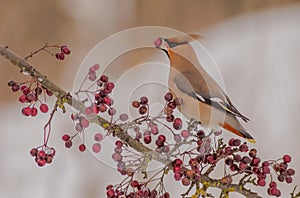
(158,42)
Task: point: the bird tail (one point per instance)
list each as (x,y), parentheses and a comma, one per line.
(240,131)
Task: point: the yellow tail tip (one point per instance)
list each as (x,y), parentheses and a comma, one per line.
(251,140)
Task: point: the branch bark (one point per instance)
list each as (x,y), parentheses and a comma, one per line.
(59,93)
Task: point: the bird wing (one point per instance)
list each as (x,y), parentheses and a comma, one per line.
(186,83)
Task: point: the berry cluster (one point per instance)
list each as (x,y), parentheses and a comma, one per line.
(237,163)
(102,101)
(171,104)
(42,155)
(141,105)
(98,137)
(30,95)
(81,124)
(64,50)
(139,190)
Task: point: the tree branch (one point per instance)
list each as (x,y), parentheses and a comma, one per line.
(28,69)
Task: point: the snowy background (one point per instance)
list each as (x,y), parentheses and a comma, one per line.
(255,45)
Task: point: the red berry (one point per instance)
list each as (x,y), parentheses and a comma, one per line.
(60,56)
(41,162)
(82,147)
(68,144)
(283,165)
(119,144)
(84,123)
(170,118)
(255,161)
(123,117)
(229,161)
(201,134)
(147,139)
(26,91)
(144,100)
(185,133)
(178,121)
(107,101)
(168,96)
(280,178)
(117,157)
(236,142)
(96,66)
(64,49)
(246,160)
(234,167)
(110,86)
(96,147)
(272,184)
(159,143)
(78,127)
(166,195)
(168,111)
(135,104)
(171,105)
(26,111)
(134,183)
(33,152)
(34,111)
(143,110)
(230,142)
(154,130)
(177,127)
(102,108)
(291,172)
(92,77)
(176,169)
(162,138)
(177,138)
(287,158)
(98,137)
(261,182)
(41,154)
(237,158)
(88,110)
(109,187)
(265,169)
(185,181)
(30,97)
(177,162)
(52,152)
(11,83)
(44,108)
(243,166)
(265,163)
(15,88)
(112,111)
(165,149)
(110,193)
(243,148)
(22,98)
(289,179)
(104,78)
(49,159)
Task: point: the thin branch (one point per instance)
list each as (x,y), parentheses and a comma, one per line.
(62,95)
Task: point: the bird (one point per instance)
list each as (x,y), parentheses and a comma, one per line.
(203,99)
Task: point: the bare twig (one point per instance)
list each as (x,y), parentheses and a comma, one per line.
(117,131)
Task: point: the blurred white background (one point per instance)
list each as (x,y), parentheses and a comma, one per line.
(254,43)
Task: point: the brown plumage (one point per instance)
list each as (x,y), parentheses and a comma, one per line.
(203,98)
